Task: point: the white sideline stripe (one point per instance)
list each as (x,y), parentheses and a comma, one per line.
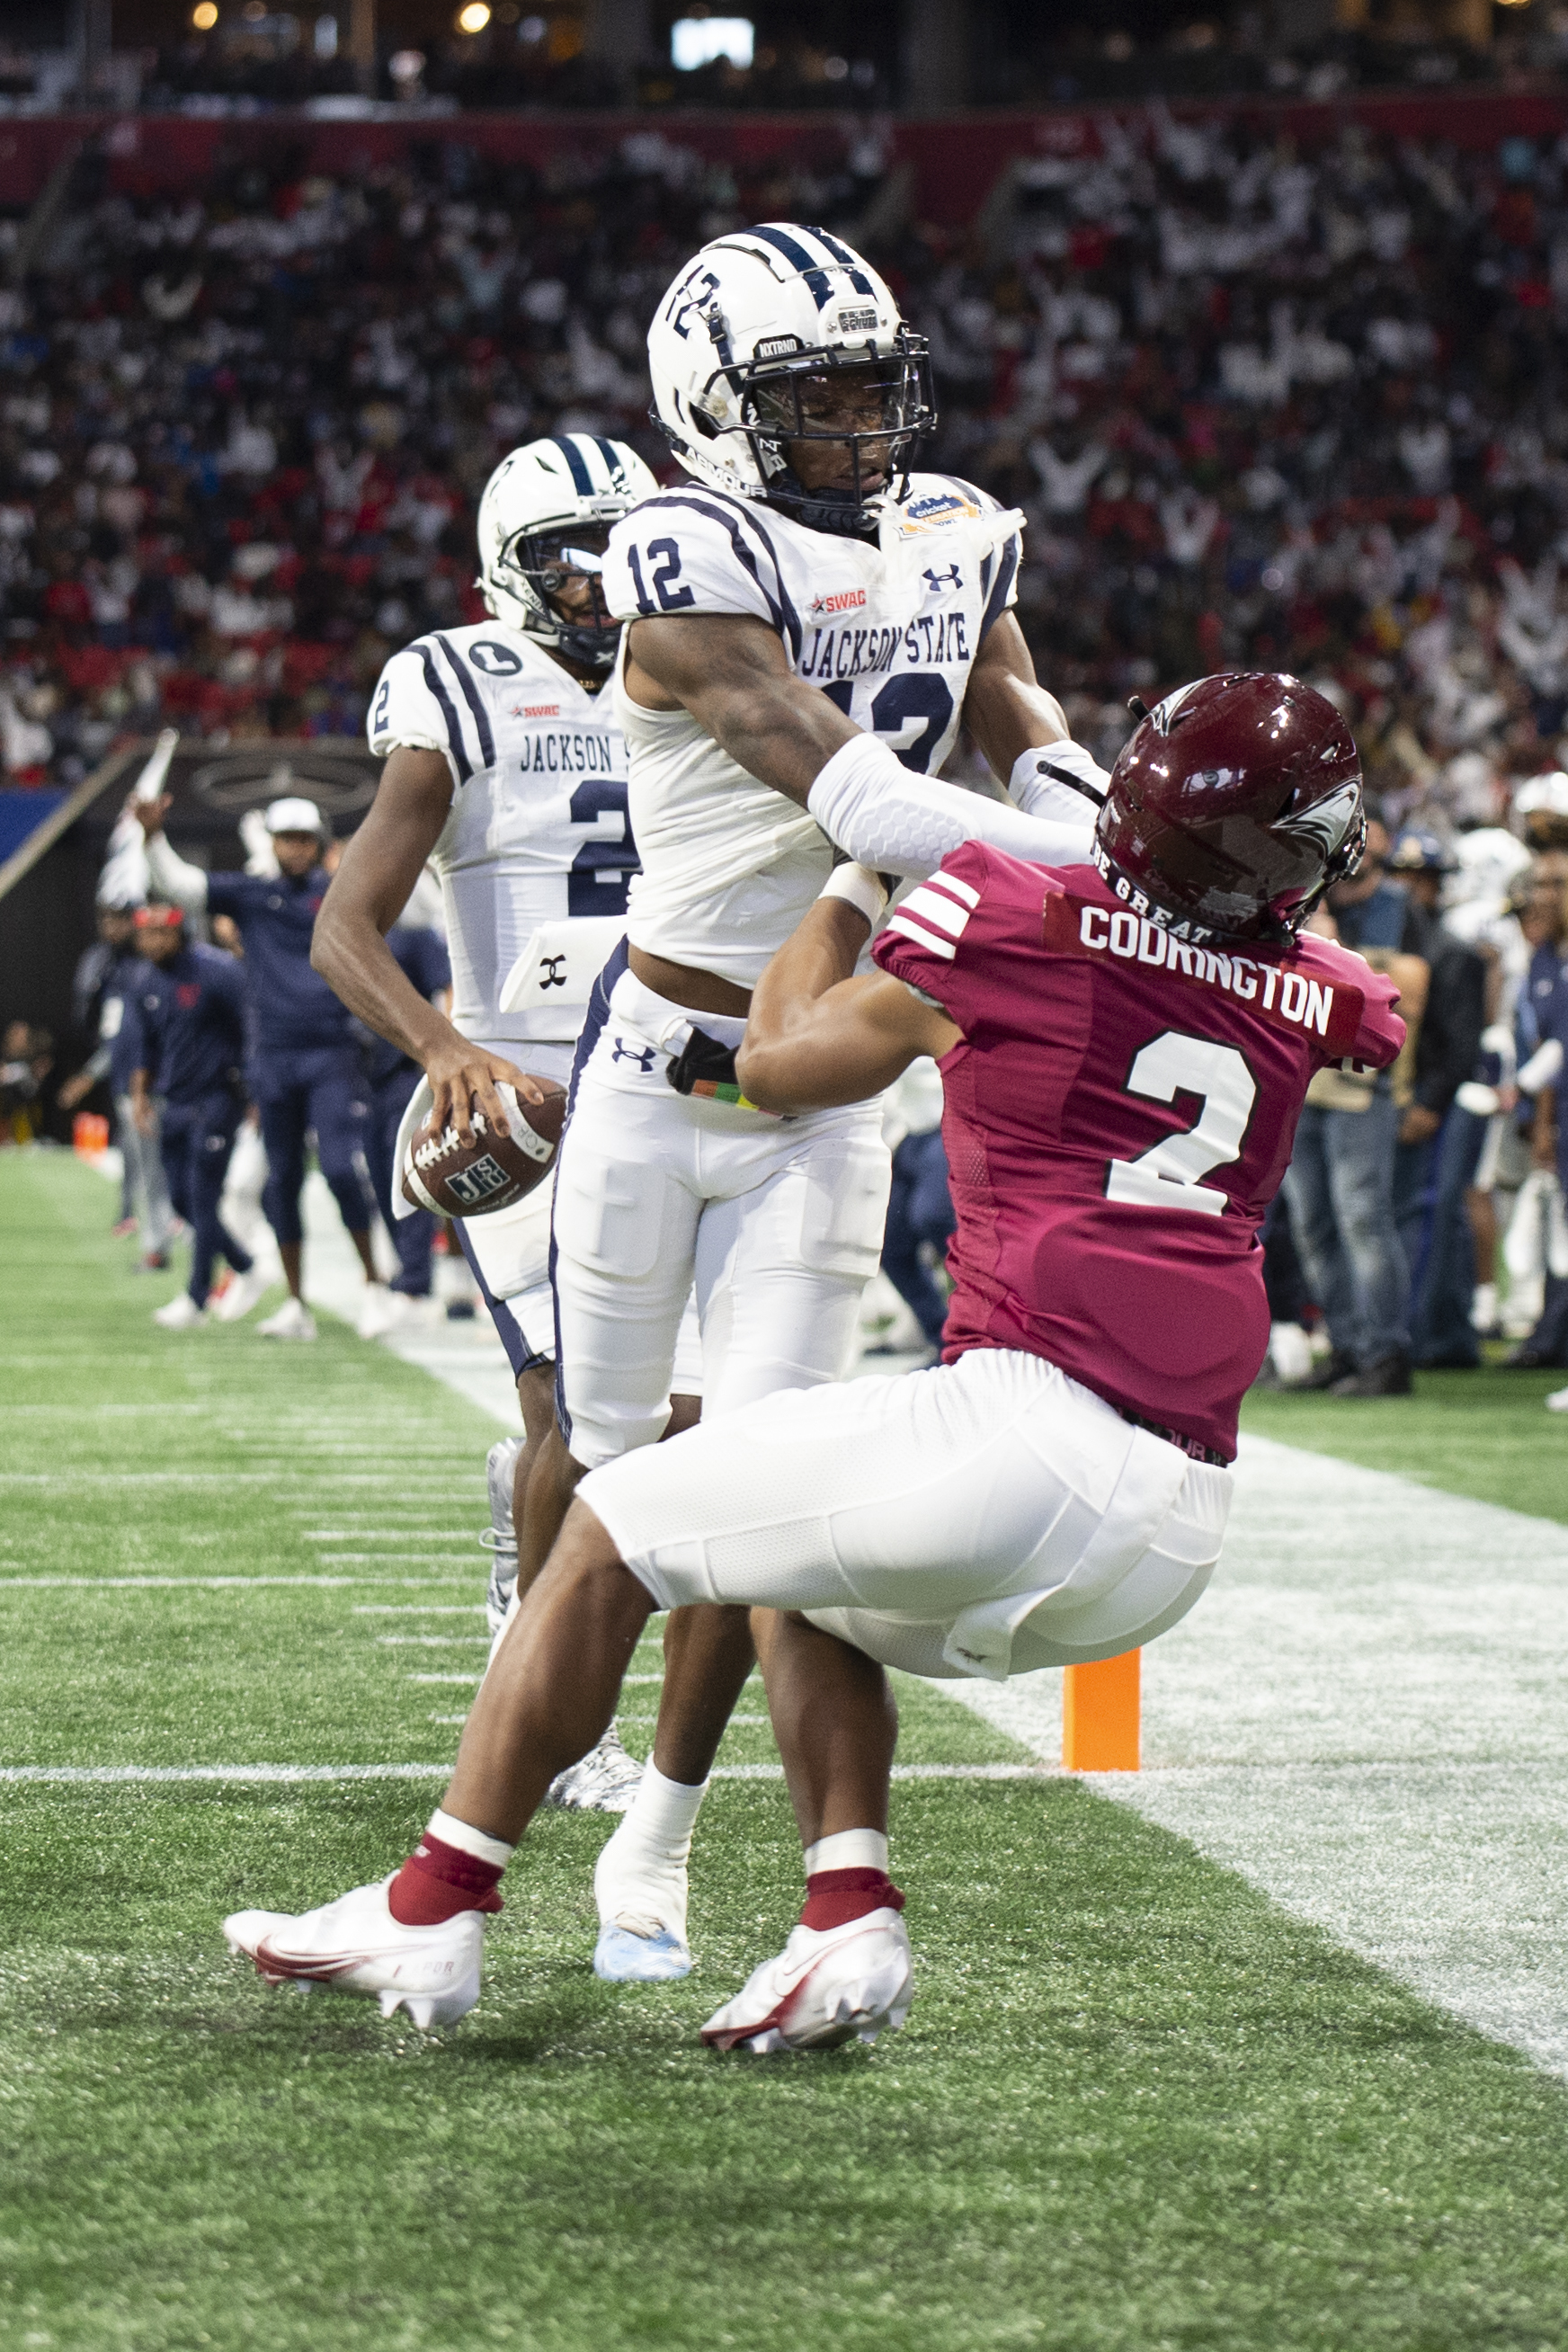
(417,1609)
(428,1641)
(116,1775)
(377,1535)
(445,1678)
(467,1560)
(1363,1715)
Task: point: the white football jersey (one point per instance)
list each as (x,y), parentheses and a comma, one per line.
(888,631)
(538,831)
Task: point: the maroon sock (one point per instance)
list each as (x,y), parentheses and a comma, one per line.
(834,1897)
(438,1881)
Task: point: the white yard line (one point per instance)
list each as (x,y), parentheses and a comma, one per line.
(1365,1716)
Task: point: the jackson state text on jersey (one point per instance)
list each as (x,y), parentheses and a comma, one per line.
(887,630)
(1117,1119)
(538,829)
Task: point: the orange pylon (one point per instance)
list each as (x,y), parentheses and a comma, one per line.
(1100,1714)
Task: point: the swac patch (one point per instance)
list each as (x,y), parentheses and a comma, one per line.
(1277,988)
(847,600)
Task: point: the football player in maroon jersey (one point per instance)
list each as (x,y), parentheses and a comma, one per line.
(1125,1046)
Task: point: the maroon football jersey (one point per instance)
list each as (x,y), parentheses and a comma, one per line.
(1117,1119)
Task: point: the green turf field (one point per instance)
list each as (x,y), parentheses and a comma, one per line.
(1485,1433)
(1136,2107)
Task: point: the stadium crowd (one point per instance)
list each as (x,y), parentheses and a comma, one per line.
(1258,404)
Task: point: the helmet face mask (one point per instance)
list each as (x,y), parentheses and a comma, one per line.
(545,522)
(830,430)
(1233,806)
(559,574)
(783,372)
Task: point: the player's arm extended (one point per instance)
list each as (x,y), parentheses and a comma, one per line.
(380,865)
(732,674)
(815,1036)
(1023,735)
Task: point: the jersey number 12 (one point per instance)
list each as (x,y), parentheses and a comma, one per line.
(1170,1174)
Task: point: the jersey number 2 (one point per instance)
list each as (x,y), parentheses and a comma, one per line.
(1170,1175)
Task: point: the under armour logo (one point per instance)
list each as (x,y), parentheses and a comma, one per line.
(553,972)
(643,1056)
(951,578)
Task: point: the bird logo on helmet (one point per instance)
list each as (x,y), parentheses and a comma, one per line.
(780,344)
(544,521)
(1233,805)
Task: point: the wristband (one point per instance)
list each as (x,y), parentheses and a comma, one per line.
(862,889)
(1057,771)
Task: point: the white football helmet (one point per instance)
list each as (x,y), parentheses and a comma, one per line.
(750,352)
(1540,809)
(544,520)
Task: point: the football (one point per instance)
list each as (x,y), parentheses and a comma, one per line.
(454,1179)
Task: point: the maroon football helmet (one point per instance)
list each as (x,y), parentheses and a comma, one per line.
(1234,805)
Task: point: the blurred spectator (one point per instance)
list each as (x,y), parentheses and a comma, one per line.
(920,1218)
(1543,1025)
(1440,1142)
(26,1057)
(1340,1183)
(102,988)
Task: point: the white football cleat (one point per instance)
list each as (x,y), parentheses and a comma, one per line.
(181,1314)
(606,1780)
(293,1320)
(500,1537)
(828,1985)
(377,1312)
(641,1895)
(356,1945)
(244,1292)
(1558,1401)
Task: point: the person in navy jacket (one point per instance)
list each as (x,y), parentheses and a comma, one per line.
(392,1075)
(186,1020)
(305,1071)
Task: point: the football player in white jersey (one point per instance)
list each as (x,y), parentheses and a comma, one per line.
(506,771)
(809,622)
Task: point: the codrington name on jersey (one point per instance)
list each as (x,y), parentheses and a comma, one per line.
(1331,1010)
(934,638)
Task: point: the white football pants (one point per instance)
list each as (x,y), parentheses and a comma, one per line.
(510,1248)
(778,1221)
(983,1517)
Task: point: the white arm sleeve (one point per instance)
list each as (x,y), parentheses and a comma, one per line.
(1058,780)
(897,823)
(185,884)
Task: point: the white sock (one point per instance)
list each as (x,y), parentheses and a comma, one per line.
(468,1839)
(663,1813)
(848,1850)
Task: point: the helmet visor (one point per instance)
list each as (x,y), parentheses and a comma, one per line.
(564,568)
